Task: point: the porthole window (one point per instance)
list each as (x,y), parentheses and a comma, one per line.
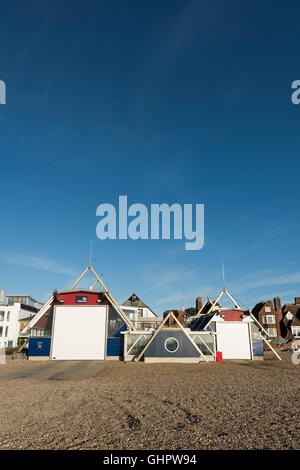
(171,345)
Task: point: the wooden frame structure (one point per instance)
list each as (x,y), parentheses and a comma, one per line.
(110,297)
(170,314)
(106,291)
(223,291)
(236,305)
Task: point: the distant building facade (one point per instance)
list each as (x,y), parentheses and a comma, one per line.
(269,315)
(14,311)
(290,326)
(140,314)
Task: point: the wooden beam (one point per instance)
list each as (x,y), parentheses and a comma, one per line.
(94,285)
(80,277)
(111,298)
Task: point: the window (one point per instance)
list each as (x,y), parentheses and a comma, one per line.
(171,345)
(115,322)
(296,331)
(8,316)
(268,319)
(36,332)
(267,309)
(6,331)
(1,330)
(289,316)
(130,313)
(2,313)
(272,332)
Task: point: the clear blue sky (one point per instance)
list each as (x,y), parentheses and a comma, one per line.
(182,101)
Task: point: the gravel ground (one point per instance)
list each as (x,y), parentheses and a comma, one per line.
(113,405)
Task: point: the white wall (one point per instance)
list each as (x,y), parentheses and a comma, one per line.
(11,325)
(233,340)
(146,312)
(16,313)
(79,332)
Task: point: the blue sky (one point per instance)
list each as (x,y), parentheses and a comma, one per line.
(185,102)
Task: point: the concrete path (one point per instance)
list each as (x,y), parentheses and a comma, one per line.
(58,370)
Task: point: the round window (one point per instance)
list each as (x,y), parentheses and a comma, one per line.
(171,345)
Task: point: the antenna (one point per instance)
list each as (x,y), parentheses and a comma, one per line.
(223,274)
(91,252)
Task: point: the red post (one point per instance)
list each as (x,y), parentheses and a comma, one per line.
(219,356)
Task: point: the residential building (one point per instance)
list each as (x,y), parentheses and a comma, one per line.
(15,309)
(269,315)
(290,325)
(139,313)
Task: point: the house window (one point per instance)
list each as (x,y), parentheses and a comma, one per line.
(8,316)
(1,330)
(140,312)
(289,316)
(2,313)
(267,309)
(269,319)
(296,331)
(6,331)
(171,345)
(271,332)
(35,332)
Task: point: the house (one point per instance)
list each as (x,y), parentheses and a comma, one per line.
(279,322)
(78,324)
(181,316)
(269,315)
(13,309)
(290,325)
(140,314)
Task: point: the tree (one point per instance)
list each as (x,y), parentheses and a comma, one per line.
(190,311)
(166,312)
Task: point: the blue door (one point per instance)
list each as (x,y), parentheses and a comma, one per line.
(115,343)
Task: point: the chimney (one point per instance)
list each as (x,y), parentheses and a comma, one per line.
(198,304)
(2,296)
(297,300)
(277,305)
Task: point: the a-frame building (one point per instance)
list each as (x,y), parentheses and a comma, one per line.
(78,324)
(171,343)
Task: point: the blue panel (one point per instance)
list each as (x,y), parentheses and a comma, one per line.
(117,333)
(185,346)
(39,346)
(115,346)
(258,347)
(81,299)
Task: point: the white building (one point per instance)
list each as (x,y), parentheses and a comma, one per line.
(141,316)
(12,311)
